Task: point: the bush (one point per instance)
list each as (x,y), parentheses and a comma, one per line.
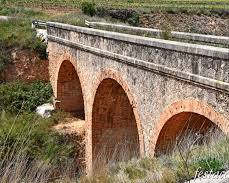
(19,96)
(210,163)
(3,1)
(4,60)
(179,166)
(38,46)
(166,32)
(126,15)
(134,172)
(34,135)
(4,56)
(88,8)
(101,11)
(121,14)
(134,19)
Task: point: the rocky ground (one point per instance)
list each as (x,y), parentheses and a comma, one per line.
(187,23)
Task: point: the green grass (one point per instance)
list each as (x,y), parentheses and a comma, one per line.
(15,33)
(30,151)
(19,11)
(137,4)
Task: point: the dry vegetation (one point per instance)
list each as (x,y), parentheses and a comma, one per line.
(179,166)
(22,161)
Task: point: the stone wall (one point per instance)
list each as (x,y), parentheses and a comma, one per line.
(160,78)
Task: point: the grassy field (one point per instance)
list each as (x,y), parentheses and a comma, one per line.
(136,4)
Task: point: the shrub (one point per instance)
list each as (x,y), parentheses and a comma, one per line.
(134,172)
(88,8)
(134,19)
(19,96)
(4,56)
(3,1)
(4,60)
(38,46)
(101,11)
(210,163)
(121,14)
(166,32)
(130,1)
(177,167)
(126,15)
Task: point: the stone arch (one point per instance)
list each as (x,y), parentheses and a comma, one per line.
(183,117)
(111,90)
(69,95)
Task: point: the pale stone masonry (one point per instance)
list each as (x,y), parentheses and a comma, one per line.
(141,90)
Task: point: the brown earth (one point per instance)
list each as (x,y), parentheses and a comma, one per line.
(187,23)
(27,66)
(74,128)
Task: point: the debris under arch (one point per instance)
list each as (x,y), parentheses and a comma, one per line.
(71,126)
(74,129)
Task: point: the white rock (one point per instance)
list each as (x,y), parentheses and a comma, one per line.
(42,33)
(5,17)
(45,110)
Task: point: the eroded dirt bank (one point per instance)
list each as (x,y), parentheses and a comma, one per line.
(25,65)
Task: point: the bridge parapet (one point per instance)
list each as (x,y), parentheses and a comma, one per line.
(156,33)
(205,65)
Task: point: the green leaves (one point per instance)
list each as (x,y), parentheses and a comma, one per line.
(18,96)
(88,8)
(211,163)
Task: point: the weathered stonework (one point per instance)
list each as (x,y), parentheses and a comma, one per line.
(159,78)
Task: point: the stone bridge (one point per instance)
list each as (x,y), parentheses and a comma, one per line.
(137,94)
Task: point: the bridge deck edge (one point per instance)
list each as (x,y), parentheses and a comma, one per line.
(210,51)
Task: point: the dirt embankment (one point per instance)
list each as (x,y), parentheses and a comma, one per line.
(25,65)
(187,23)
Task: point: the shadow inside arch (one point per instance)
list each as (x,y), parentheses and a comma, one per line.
(183,129)
(69,92)
(114,128)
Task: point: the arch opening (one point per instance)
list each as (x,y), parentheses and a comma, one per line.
(114,128)
(69,91)
(182,128)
